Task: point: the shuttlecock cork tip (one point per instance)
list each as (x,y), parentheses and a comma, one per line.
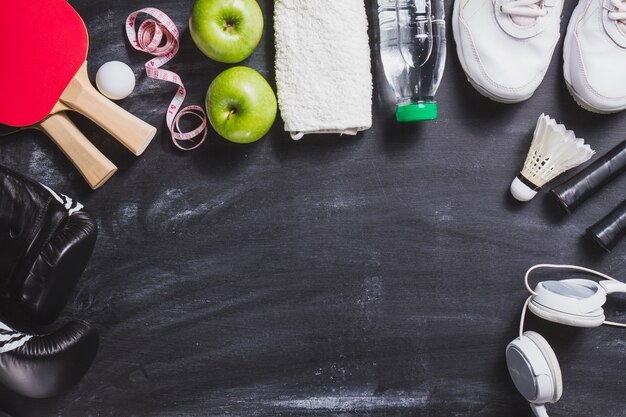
(521,191)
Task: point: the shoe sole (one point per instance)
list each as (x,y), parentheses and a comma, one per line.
(583,104)
(566,48)
(455,32)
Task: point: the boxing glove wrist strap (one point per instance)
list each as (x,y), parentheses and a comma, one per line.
(70,205)
(11,339)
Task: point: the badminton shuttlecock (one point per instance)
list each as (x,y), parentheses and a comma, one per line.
(553,151)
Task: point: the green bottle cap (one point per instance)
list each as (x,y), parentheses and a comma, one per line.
(415,112)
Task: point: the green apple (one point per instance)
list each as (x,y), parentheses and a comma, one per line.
(226,30)
(241,105)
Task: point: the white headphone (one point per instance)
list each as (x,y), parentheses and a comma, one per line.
(574,302)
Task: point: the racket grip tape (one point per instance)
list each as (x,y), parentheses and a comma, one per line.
(573,192)
(610,230)
(95,168)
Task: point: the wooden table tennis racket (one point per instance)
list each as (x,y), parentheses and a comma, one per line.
(95,168)
(44,71)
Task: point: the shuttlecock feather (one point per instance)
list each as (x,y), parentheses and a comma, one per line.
(553,151)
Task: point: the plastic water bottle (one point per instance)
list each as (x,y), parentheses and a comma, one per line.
(413,53)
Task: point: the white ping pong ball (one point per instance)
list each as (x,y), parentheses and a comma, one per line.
(115,80)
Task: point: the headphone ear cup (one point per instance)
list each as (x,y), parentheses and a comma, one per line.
(534,369)
(551,360)
(555,316)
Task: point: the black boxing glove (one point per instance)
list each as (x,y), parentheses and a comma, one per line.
(45,366)
(46,240)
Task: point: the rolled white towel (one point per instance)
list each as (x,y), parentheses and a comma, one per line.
(323,68)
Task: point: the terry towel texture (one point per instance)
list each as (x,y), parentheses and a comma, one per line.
(323,68)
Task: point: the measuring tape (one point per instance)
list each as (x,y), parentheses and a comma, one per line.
(147,39)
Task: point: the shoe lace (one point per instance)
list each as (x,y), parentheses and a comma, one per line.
(524,8)
(618,13)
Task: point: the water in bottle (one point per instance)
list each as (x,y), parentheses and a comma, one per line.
(413,53)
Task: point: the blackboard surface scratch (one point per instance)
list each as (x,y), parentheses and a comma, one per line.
(369,276)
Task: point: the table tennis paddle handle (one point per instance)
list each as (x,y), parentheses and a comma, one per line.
(90,162)
(129,130)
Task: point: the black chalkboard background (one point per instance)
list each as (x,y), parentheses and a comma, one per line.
(372,276)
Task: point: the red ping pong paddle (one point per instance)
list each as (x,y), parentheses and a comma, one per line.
(95,168)
(44,71)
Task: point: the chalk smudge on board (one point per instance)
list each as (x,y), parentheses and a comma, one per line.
(354,402)
(41,166)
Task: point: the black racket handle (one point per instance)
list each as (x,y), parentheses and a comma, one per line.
(610,230)
(573,192)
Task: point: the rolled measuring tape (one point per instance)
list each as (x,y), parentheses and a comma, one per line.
(610,230)
(573,192)
(147,38)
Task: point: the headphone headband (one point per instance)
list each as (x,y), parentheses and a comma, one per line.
(584,312)
(572,267)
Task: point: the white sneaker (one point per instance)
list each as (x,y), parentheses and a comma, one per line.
(594,55)
(505,46)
